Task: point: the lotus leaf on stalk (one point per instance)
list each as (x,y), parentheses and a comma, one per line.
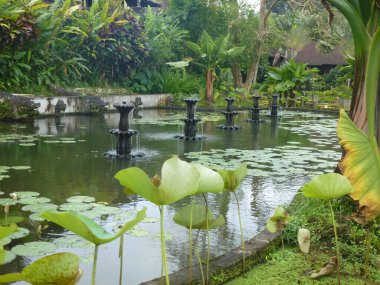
(278,221)
(5,232)
(56,269)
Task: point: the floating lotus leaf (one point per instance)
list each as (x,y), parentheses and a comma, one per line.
(67,139)
(174,173)
(68,142)
(20,233)
(39,207)
(35,217)
(4,176)
(5,241)
(52,142)
(91,214)
(56,269)
(27,144)
(232,178)
(327,187)
(87,258)
(34,200)
(26,194)
(150,220)
(6,256)
(361,165)
(9,201)
(137,233)
(196,217)
(72,241)
(11,220)
(47,136)
(1,193)
(106,210)
(4,169)
(20,167)
(75,207)
(80,199)
(125,215)
(34,248)
(167,236)
(87,228)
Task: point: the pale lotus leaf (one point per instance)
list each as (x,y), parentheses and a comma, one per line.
(303,238)
(209,180)
(232,178)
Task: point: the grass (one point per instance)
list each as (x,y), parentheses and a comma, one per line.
(289,266)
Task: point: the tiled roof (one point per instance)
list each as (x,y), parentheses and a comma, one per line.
(310,55)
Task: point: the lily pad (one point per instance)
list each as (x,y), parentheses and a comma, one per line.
(5,241)
(80,199)
(26,194)
(34,200)
(67,139)
(21,167)
(91,214)
(9,257)
(9,201)
(52,142)
(75,207)
(47,136)
(34,248)
(68,142)
(72,241)
(35,208)
(27,144)
(106,210)
(21,232)
(11,220)
(124,215)
(137,233)
(35,217)
(167,236)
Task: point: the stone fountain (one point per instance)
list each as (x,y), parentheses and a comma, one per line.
(274,106)
(230,116)
(190,129)
(255,111)
(123,134)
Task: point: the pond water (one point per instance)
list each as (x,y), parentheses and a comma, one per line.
(62,157)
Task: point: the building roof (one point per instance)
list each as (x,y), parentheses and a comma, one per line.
(310,55)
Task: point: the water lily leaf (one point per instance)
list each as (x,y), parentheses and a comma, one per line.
(67,139)
(52,142)
(209,180)
(105,210)
(174,173)
(167,236)
(39,207)
(137,233)
(9,201)
(11,220)
(6,256)
(56,269)
(196,217)
(75,207)
(20,233)
(34,248)
(5,241)
(7,231)
(80,199)
(34,200)
(26,194)
(36,217)
(361,165)
(232,178)
(27,144)
(20,167)
(87,228)
(72,241)
(68,142)
(327,186)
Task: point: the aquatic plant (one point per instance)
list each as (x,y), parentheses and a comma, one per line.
(178,180)
(5,232)
(89,230)
(232,179)
(328,187)
(278,221)
(56,269)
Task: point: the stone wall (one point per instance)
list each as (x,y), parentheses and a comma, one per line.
(74,103)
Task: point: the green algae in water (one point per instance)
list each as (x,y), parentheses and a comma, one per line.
(35,248)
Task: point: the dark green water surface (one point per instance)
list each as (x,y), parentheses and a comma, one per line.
(282,155)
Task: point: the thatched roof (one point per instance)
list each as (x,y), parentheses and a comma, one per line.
(310,55)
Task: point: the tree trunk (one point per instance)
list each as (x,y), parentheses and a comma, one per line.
(210,77)
(236,74)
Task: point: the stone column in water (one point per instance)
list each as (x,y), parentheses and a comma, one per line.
(274,106)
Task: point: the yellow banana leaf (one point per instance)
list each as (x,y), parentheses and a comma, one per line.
(361,165)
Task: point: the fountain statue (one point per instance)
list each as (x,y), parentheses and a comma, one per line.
(137,107)
(123,133)
(230,114)
(190,129)
(255,111)
(274,106)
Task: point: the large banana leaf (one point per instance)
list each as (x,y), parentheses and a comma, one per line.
(361,165)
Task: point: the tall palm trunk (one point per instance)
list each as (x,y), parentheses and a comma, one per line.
(210,77)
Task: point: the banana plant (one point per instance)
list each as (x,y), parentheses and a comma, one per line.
(178,180)
(232,179)
(89,230)
(209,54)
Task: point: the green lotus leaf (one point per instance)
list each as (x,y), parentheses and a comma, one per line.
(34,200)
(167,236)
(35,217)
(272,226)
(87,228)
(125,215)
(9,201)
(67,139)
(52,142)
(34,248)
(7,231)
(91,214)
(26,194)
(68,142)
(137,233)
(232,178)
(6,256)
(72,241)
(20,167)
(361,165)
(209,180)
(11,220)
(279,219)
(195,216)
(20,233)
(80,199)
(27,144)
(178,180)
(327,187)
(56,269)
(39,207)
(1,193)
(75,207)
(5,241)
(106,210)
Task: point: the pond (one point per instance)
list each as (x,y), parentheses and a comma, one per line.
(63,157)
